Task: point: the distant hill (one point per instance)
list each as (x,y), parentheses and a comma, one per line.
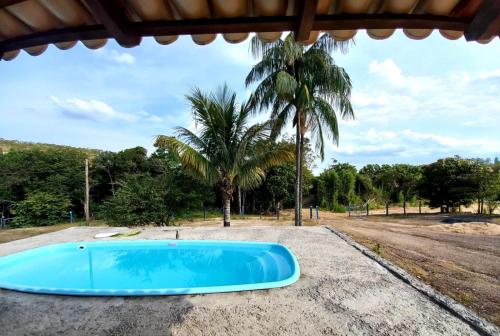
(11,145)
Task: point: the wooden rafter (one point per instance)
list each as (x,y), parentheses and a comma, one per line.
(466,7)
(486,22)
(241,25)
(5,3)
(112,16)
(306,14)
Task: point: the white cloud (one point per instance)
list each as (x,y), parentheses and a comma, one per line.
(409,143)
(150,117)
(390,74)
(98,111)
(122,57)
(116,56)
(466,98)
(453,143)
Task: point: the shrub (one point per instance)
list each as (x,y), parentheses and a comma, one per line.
(145,199)
(139,201)
(339,208)
(41,209)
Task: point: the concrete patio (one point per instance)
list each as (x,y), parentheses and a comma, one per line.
(340,292)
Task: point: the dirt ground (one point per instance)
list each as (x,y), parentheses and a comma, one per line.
(7,235)
(340,292)
(459,255)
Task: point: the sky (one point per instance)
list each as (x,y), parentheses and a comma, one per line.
(414,101)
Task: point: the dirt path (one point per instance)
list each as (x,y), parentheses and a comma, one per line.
(461,260)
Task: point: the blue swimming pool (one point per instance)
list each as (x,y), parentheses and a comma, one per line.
(162,267)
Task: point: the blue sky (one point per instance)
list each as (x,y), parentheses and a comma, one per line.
(415,101)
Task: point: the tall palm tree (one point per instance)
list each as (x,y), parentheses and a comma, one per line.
(303,85)
(224,149)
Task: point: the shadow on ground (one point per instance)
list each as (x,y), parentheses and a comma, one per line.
(34,314)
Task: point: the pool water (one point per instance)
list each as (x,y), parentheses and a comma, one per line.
(163,267)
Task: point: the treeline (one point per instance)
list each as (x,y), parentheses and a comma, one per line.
(447,184)
(130,187)
(16,145)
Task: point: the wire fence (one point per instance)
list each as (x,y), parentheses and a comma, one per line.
(358,210)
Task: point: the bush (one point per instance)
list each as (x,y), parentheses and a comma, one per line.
(139,201)
(339,208)
(41,209)
(145,199)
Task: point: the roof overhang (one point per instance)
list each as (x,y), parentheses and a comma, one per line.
(33,24)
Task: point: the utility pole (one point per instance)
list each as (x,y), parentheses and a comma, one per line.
(87,193)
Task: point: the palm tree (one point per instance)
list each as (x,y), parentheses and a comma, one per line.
(302,85)
(225,149)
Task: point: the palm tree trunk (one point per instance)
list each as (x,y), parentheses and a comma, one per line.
(227,210)
(298,174)
(239,200)
(301,182)
(227,193)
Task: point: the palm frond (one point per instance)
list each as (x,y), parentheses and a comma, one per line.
(285,84)
(329,44)
(194,162)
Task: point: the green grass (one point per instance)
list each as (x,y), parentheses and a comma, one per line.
(196,215)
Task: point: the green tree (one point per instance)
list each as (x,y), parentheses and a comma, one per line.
(40,209)
(365,188)
(224,147)
(155,193)
(262,197)
(385,180)
(305,86)
(57,171)
(328,189)
(486,180)
(406,178)
(109,169)
(279,183)
(448,183)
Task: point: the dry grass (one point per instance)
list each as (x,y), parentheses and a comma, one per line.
(8,235)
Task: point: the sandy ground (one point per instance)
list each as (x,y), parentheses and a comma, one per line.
(459,255)
(340,292)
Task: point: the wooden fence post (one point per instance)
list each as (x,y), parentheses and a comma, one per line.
(87,193)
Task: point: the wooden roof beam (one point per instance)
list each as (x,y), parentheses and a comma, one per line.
(306,14)
(5,3)
(240,25)
(486,22)
(111,14)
